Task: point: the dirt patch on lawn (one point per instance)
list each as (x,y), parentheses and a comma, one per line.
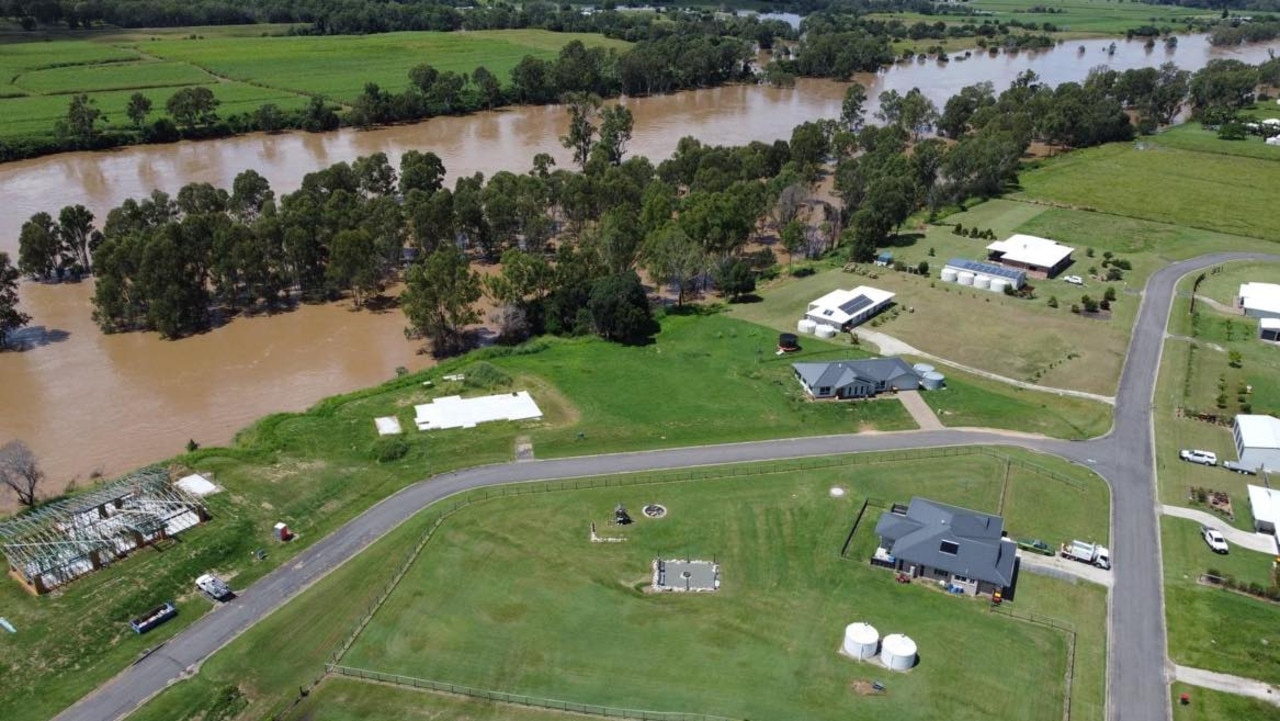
(863,687)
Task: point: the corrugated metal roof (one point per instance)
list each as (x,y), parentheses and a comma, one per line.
(998,271)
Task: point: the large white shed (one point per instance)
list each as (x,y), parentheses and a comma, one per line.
(1258,442)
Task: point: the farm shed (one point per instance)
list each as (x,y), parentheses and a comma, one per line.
(59,542)
(1259,300)
(1265,504)
(845,309)
(985,276)
(1038,256)
(1257,442)
(966,549)
(856,378)
(1269,329)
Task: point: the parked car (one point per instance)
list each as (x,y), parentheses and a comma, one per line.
(1073,279)
(1235,466)
(1035,545)
(215,587)
(1214,539)
(1204,458)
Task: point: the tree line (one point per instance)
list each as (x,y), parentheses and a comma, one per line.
(570,240)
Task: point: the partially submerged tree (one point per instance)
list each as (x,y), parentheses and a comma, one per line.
(20,471)
(439,299)
(11,318)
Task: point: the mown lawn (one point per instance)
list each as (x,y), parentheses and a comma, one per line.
(1192,136)
(513,596)
(1208,705)
(973,401)
(1200,190)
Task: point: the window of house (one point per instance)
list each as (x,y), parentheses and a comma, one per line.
(824,391)
(949,547)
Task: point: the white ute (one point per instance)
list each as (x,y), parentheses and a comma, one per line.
(1214,539)
(214,587)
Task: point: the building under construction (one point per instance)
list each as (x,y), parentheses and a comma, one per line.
(57,543)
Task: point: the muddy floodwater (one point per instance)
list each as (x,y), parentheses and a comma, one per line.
(88,402)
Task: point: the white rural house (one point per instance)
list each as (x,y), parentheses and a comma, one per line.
(1258,442)
(1259,300)
(1040,257)
(845,309)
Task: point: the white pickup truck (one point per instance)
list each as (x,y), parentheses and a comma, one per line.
(1091,553)
(214,587)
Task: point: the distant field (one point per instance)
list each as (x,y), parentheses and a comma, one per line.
(1204,190)
(339,66)
(1191,136)
(37,78)
(1097,17)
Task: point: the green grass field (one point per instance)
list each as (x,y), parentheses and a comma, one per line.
(1191,136)
(245,71)
(1207,705)
(1209,191)
(1090,17)
(545,612)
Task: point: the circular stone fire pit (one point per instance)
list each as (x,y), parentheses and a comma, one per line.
(653,510)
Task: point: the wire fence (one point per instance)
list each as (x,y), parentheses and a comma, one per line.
(1069,630)
(520,699)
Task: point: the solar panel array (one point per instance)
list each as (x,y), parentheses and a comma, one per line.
(997,271)
(853,306)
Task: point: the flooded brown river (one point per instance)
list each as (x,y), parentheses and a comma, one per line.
(88,402)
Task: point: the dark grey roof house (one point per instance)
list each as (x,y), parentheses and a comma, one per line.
(856,378)
(965,548)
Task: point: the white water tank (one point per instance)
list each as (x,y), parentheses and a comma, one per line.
(898,652)
(999,284)
(949,275)
(982,282)
(861,640)
(824,331)
(806,326)
(922,368)
(964,277)
(932,380)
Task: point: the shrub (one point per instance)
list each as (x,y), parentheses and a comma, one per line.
(1109,294)
(923,267)
(1053,301)
(390,449)
(486,375)
(803,272)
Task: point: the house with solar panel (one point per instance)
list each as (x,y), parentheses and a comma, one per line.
(1040,257)
(846,309)
(983,276)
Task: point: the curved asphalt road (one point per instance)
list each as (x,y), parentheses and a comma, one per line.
(1136,672)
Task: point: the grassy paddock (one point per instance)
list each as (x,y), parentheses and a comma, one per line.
(244,69)
(1192,136)
(545,612)
(1195,189)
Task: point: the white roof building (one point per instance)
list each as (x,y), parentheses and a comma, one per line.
(1259,300)
(844,309)
(1265,504)
(1258,441)
(1031,252)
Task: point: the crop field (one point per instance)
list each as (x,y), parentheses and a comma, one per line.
(244,71)
(514,597)
(1209,191)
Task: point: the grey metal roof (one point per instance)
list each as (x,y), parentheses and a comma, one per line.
(917,537)
(837,374)
(999,271)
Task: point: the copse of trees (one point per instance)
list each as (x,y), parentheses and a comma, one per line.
(569,240)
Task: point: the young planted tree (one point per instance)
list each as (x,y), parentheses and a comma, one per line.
(11,318)
(20,471)
(439,299)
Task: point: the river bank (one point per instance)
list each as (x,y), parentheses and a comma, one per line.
(88,402)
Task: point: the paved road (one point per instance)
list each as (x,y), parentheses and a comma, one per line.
(1137,683)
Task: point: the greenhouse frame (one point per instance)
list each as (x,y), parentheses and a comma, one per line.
(52,545)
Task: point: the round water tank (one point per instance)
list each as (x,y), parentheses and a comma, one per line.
(982,281)
(825,331)
(898,652)
(949,275)
(932,380)
(964,277)
(922,368)
(999,284)
(806,326)
(861,640)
